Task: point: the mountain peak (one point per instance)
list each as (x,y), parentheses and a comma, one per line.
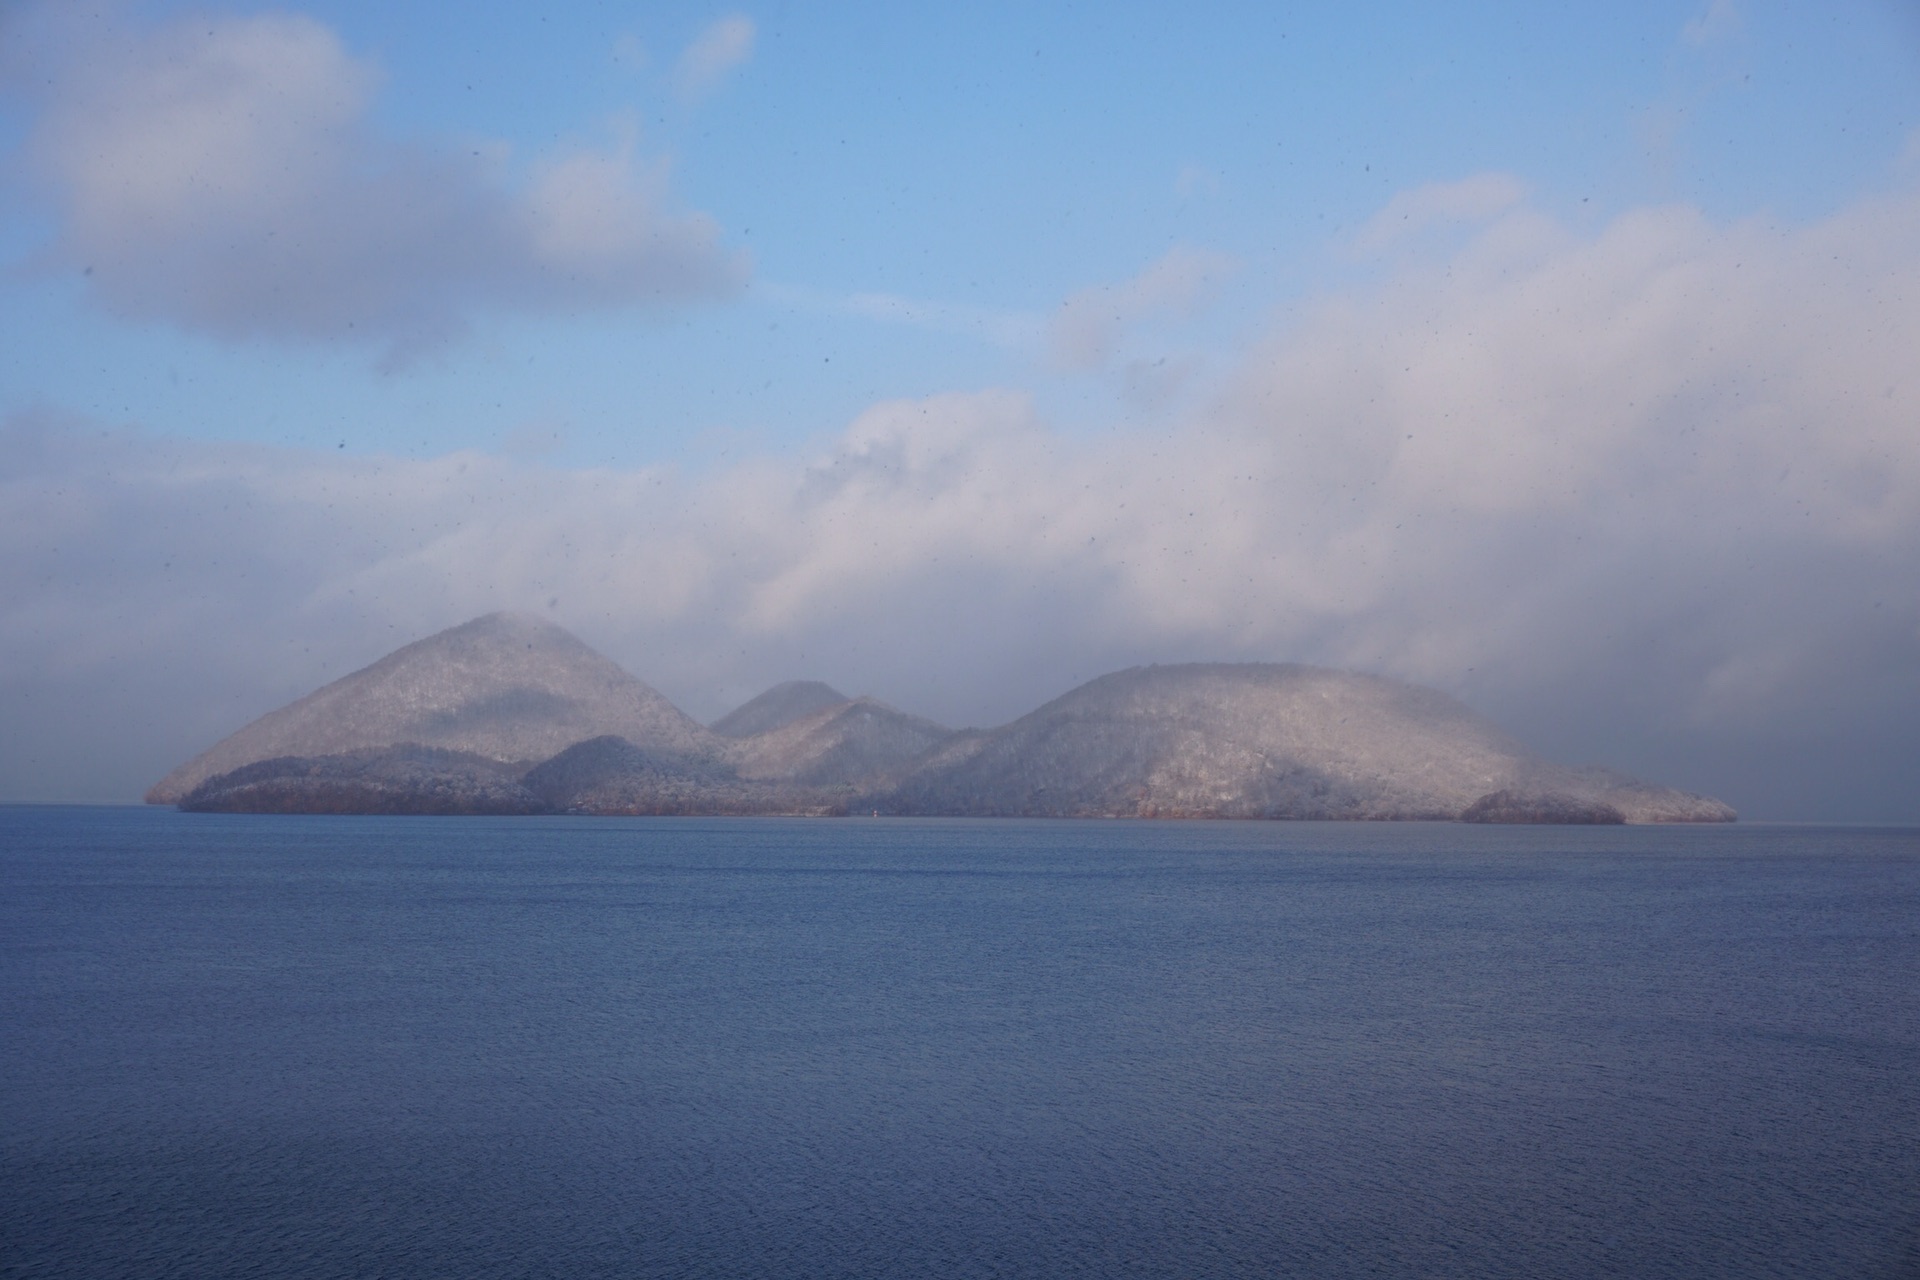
(511,687)
(1260,740)
(461,721)
(861,740)
(777,707)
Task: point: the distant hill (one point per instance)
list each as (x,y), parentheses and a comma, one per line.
(1261,741)
(511,714)
(612,776)
(508,687)
(862,741)
(403,779)
(779,706)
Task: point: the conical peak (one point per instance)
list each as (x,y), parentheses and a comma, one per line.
(507,686)
(780,705)
(507,627)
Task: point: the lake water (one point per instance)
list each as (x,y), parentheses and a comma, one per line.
(239,1046)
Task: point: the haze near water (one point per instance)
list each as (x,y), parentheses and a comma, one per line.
(473,1047)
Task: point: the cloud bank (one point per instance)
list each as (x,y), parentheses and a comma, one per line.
(1473,200)
(1091,326)
(714,52)
(1649,496)
(223,175)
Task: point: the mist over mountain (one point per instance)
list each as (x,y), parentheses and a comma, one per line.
(855,743)
(1575,384)
(510,714)
(780,705)
(1261,740)
(507,687)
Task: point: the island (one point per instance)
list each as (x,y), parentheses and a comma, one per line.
(512,714)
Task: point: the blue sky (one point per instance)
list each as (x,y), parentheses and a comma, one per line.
(706,260)
(978,167)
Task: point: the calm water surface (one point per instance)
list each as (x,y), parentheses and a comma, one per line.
(236,1046)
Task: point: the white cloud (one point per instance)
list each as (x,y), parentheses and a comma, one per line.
(1650,495)
(714,52)
(1908,163)
(1003,328)
(222,175)
(998,326)
(1471,200)
(1090,326)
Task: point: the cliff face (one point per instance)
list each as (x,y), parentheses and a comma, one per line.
(507,687)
